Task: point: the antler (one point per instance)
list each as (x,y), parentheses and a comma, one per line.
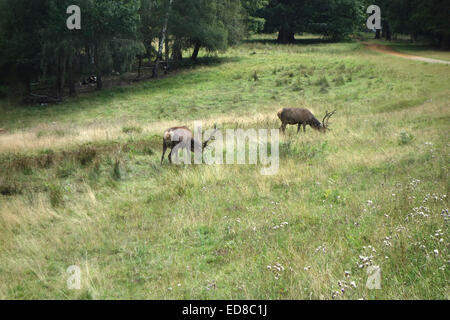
(327,117)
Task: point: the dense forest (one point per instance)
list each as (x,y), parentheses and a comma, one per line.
(117,36)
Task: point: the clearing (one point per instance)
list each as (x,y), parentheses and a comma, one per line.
(81,184)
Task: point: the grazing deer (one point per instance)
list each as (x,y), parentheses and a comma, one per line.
(182,137)
(303,117)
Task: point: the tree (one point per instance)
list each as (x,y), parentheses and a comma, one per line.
(285,17)
(232,15)
(61,47)
(433,18)
(21,46)
(333,19)
(253,22)
(426,18)
(149,24)
(208,24)
(109,25)
(163,38)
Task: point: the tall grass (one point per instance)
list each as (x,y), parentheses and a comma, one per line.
(373,191)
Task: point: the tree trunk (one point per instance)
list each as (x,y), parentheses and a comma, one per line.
(155,69)
(177,55)
(97,69)
(162,40)
(167,51)
(99,81)
(60,79)
(445,42)
(139,67)
(378,34)
(285,35)
(196,50)
(72,89)
(386,31)
(27,83)
(388,35)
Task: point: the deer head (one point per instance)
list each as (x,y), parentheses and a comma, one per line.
(211,137)
(325,124)
(181,137)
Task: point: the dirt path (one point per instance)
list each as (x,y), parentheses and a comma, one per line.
(388,50)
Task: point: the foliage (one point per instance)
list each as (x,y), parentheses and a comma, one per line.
(428,19)
(254,23)
(331,18)
(116,36)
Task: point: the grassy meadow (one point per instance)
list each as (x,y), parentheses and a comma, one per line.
(81,184)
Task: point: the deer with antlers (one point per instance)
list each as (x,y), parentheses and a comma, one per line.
(181,137)
(303,117)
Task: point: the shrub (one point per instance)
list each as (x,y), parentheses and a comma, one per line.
(86,155)
(339,81)
(323,82)
(405,138)
(65,170)
(117,174)
(95,171)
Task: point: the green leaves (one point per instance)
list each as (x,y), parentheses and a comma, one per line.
(331,18)
(212,24)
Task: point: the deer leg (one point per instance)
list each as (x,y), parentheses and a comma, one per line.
(170,156)
(298,127)
(304,128)
(283,127)
(164,151)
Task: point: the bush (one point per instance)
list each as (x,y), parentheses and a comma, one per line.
(65,170)
(339,81)
(405,138)
(117,174)
(323,82)
(86,156)
(95,171)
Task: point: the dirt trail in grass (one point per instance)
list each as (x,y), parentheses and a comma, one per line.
(388,50)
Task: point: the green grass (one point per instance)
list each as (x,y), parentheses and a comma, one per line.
(404,45)
(421,50)
(71,194)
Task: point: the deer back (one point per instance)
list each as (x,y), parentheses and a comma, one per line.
(176,135)
(295,115)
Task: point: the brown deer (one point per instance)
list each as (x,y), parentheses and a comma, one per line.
(182,137)
(303,117)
